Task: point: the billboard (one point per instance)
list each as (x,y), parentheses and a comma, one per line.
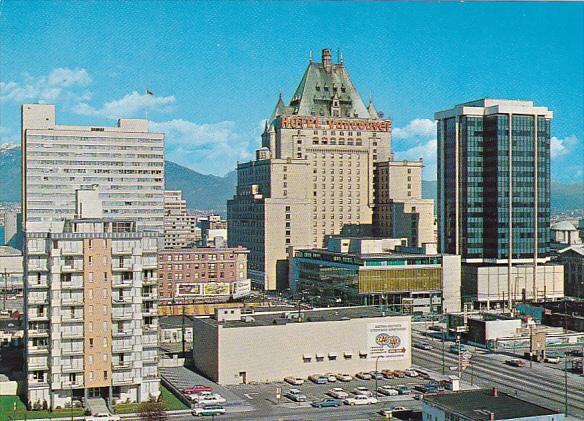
(188,290)
(241,288)
(388,340)
(216,288)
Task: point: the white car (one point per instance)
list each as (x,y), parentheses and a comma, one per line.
(388,390)
(103,417)
(360,400)
(296,381)
(296,395)
(363,376)
(208,410)
(338,393)
(362,391)
(411,372)
(331,377)
(343,377)
(210,399)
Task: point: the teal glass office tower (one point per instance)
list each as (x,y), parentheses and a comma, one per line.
(494,181)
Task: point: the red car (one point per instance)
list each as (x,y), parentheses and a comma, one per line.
(198,388)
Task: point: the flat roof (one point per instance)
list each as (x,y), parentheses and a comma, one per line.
(308,316)
(478,404)
(170,322)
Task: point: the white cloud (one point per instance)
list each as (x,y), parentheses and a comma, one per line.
(208,147)
(59,83)
(428,152)
(420,127)
(64,76)
(131,105)
(563,146)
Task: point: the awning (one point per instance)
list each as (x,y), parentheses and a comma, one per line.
(348,353)
(333,354)
(319,355)
(307,356)
(362,352)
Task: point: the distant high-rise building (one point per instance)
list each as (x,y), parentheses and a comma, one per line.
(180,228)
(313,175)
(400,211)
(126,163)
(494,197)
(213,231)
(91,310)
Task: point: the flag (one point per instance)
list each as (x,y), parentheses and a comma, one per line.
(149,92)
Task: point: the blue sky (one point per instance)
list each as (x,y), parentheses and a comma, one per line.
(216,68)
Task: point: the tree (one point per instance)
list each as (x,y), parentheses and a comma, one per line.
(152,411)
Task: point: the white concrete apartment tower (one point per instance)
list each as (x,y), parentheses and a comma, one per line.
(126,163)
(91,295)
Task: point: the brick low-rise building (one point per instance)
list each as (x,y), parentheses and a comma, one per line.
(203,274)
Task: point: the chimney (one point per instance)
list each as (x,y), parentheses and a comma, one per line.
(326,58)
(495,392)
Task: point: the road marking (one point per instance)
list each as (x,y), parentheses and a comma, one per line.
(248,396)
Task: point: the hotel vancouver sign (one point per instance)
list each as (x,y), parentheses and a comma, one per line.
(331,123)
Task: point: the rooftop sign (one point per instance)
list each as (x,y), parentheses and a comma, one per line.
(331,123)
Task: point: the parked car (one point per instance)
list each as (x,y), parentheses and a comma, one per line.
(376,375)
(515,362)
(208,411)
(344,377)
(425,346)
(410,372)
(318,379)
(296,395)
(338,393)
(576,353)
(399,373)
(360,400)
(363,375)
(213,398)
(391,411)
(388,391)
(454,348)
(331,377)
(326,403)
(435,328)
(198,388)
(404,390)
(103,417)
(388,374)
(552,359)
(362,391)
(296,381)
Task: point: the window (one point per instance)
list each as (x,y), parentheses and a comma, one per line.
(105,374)
(91,342)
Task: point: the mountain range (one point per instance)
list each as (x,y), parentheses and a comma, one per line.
(210,192)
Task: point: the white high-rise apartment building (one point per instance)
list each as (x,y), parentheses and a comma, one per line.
(126,163)
(91,296)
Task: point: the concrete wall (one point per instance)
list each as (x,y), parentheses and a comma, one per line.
(270,353)
(451,280)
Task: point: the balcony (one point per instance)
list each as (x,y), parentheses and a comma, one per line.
(37,384)
(122,316)
(69,252)
(150,311)
(71,352)
(36,252)
(118,283)
(150,297)
(71,285)
(124,365)
(36,300)
(117,334)
(151,376)
(72,335)
(150,328)
(38,317)
(72,301)
(125,267)
(150,360)
(72,369)
(71,268)
(123,381)
(121,252)
(77,318)
(37,350)
(37,365)
(38,285)
(150,281)
(122,300)
(121,347)
(73,385)
(37,333)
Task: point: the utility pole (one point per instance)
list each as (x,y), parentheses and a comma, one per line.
(566,386)
(183,332)
(443,355)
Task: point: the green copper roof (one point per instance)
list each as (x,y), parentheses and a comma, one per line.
(317,89)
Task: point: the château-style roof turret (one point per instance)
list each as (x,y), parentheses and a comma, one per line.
(320,87)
